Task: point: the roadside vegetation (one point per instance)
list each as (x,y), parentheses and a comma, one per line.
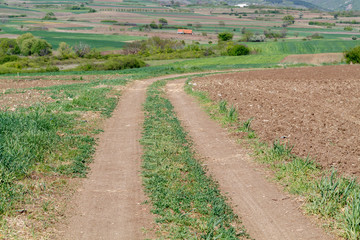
(42,147)
(328,195)
(187,202)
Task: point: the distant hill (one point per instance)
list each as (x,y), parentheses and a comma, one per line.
(332,5)
(325,5)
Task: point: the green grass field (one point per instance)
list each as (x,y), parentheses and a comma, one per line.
(99,41)
(304,47)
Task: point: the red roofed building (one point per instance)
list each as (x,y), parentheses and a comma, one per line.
(185,31)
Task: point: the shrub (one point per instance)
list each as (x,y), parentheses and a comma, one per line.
(238,50)
(247,36)
(8,58)
(81,49)
(352,55)
(65,51)
(225,36)
(116,63)
(348,28)
(315,36)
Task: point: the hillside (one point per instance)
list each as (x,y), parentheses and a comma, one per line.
(328,5)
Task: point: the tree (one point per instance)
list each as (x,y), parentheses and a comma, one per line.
(9,46)
(225,36)
(30,45)
(26,46)
(163,21)
(23,37)
(288,20)
(153,25)
(238,50)
(49,16)
(41,47)
(353,55)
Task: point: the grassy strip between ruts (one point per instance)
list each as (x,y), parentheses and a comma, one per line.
(41,147)
(186,201)
(333,198)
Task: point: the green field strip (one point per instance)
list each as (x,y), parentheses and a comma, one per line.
(102,42)
(187,203)
(303,47)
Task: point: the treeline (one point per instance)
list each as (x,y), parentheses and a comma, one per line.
(156,48)
(349,22)
(28,53)
(325,24)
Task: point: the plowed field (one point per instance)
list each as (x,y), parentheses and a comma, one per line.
(316,109)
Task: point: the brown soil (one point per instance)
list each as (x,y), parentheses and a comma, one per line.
(266,212)
(315,108)
(316,59)
(30,82)
(27,98)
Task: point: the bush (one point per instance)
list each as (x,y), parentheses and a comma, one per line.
(238,50)
(225,36)
(65,51)
(348,28)
(116,63)
(315,36)
(352,55)
(81,49)
(8,58)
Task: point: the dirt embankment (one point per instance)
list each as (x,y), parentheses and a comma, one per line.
(315,108)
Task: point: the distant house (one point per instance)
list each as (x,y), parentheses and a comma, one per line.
(185,31)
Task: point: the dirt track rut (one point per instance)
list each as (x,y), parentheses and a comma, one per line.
(109,205)
(267,213)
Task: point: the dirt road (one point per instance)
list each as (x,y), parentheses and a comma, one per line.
(109,204)
(267,213)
